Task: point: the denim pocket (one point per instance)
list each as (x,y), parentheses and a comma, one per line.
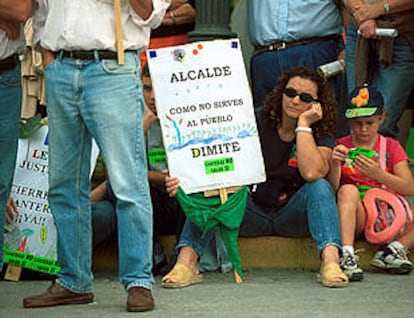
(112,66)
(45,67)
(10,78)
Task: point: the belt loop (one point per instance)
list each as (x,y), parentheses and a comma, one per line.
(59,55)
(96,55)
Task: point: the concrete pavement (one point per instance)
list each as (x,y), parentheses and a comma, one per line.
(265,293)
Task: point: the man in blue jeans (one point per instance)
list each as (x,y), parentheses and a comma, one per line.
(89,95)
(290,33)
(387,63)
(168,216)
(12,43)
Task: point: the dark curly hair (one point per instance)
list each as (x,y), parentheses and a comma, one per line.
(273,101)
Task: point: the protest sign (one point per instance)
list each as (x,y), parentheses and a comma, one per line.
(205,108)
(30,241)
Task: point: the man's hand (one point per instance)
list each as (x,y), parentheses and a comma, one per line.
(15,11)
(47,56)
(367,11)
(368,29)
(176,4)
(341,56)
(11,211)
(11,28)
(143,8)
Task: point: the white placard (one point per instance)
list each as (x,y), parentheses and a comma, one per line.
(33,231)
(205,107)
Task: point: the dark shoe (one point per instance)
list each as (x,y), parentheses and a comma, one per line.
(139,299)
(56,295)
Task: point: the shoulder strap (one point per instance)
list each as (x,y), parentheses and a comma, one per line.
(382,152)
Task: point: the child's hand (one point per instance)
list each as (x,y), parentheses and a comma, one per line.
(369,167)
(171,183)
(339,154)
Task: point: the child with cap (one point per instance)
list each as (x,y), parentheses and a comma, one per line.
(355,167)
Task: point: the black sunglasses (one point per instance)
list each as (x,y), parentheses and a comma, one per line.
(304,97)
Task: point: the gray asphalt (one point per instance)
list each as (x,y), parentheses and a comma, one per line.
(264,293)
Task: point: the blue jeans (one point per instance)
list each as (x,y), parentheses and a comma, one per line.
(395,82)
(210,248)
(168,219)
(310,211)
(103,222)
(267,67)
(101,100)
(10,100)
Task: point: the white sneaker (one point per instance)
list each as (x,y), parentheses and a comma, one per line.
(350,267)
(392,260)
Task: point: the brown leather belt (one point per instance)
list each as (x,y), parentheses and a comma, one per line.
(89,55)
(9,63)
(280,45)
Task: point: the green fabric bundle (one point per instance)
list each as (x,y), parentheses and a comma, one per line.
(209,213)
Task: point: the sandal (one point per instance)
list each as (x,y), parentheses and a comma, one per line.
(182,276)
(330,273)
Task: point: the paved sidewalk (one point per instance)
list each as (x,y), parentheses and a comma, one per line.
(265,293)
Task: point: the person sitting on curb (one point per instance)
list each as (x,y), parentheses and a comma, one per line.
(297,136)
(365,114)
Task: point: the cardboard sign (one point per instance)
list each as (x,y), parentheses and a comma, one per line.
(30,241)
(206,113)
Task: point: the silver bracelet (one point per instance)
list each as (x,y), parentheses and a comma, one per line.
(303,129)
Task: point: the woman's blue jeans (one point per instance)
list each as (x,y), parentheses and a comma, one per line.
(310,211)
(10,100)
(102,100)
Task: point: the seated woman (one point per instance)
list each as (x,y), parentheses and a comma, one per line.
(297,137)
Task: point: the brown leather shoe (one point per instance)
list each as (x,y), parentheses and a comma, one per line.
(56,295)
(139,299)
